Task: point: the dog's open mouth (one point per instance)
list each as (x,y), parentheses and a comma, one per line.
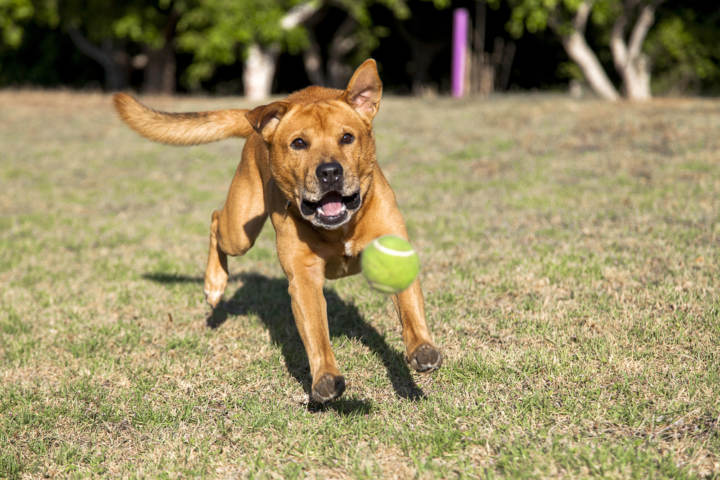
(332,209)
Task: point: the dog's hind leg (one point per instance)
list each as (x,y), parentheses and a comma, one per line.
(235,228)
(216,274)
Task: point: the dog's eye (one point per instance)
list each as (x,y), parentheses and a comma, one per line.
(347,139)
(298,144)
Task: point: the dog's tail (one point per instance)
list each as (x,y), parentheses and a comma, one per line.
(181,128)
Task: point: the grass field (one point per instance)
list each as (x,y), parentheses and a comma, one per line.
(571,267)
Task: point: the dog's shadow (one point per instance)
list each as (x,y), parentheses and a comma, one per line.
(268,298)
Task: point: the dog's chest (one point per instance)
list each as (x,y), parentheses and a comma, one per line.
(348,263)
(349,249)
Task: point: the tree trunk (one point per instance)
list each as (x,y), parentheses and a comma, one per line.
(159,75)
(636,79)
(259,71)
(504,64)
(419,69)
(115,62)
(342,43)
(630,62)
(312,59)
(262,60)
(489,71)
(482,71)
(581,53)
(422,54)
(333,72)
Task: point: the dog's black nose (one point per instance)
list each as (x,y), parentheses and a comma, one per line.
(330,175)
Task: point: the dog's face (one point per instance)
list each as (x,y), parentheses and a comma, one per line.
(322,159)
(323,151)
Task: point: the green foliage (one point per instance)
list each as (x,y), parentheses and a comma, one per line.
(683,46)
(535,16)
(13,14)
(569,70)
(16,15)
(530,15)
(137,21)
(604,12)
(685,51)
(216,31)
(359,9)
(142,25)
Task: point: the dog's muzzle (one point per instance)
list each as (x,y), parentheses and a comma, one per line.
(332,209)
(336,201)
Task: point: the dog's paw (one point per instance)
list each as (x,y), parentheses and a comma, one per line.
(425,358)
(328,387)
(213,297)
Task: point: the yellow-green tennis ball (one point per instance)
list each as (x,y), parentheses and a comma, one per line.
(390,264)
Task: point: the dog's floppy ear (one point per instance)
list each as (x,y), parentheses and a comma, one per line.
(364,90)
(265,119)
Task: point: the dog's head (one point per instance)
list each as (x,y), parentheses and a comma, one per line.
(322,150)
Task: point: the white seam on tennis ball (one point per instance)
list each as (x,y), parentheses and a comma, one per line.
(390,251)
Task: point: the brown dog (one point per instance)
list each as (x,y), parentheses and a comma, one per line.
(309,164)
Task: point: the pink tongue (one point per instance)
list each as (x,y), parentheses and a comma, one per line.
(331,205)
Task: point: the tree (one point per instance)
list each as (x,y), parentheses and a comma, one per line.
(139,34)
(488,71)
(221,33)
(147,35)
(261,59)
(15,14)
(218,33)
(119,36)
(684,47)
(125,35)
(625,22)
(353,36)
(153,27)
(89,24)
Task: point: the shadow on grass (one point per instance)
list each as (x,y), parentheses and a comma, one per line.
(268,298)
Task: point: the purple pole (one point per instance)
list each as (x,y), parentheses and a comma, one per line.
(460,35)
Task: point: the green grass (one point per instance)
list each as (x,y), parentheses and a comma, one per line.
(570,265)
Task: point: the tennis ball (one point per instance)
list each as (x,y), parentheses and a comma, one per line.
(389,264)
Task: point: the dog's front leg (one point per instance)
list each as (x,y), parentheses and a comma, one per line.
(310,311)
(422,355)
